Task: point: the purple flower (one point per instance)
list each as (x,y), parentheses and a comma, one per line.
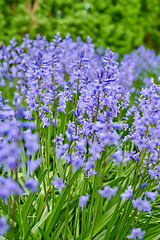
(136,233)
(108,192)
(83,200)
(152,195)
(76,162)
(58,139)
(31,184)
(61,150)
(143,185)
(58,183)
(95,150)
(89,165)
(128,193)
(91,173)
(20,113)
(128,155)
(31,142)
(9,187)
(136,157)
(81,146)
(69,134)
(117,156)
(112,138)
(3,225)
(32,165)
(153,173)
(142,205)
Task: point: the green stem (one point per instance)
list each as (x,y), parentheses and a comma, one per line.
(95,217)
(68,200)
(40,140)
(124,220)
(141,158)
(85,183)
(54,155)
(99,196)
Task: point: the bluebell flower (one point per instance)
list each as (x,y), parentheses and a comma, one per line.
(128,155)
(151,195)
(88,165)
(142,205)
(91,173)
(58,183)
(143,185)
(136,233)
(32,184)
(83,200)
(31,142)
(61,149)
(108,192)
(117,156)
(128,193)
(112,138)
(33,164)
(77,162)
(81,146)
(95,149)
(3,225)
(9,187)
(58,139)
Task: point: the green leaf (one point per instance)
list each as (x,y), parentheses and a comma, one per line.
(39,207)
(126,228)
(2,238)
(100,224)
(26,207)
(151,231)
(59,205)
(44,234)
(3,206)
(115,181)
(50,218)
(110,226)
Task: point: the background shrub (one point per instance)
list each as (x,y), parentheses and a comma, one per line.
(122,25)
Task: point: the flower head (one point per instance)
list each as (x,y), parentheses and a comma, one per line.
(58,183)
(3,225)
(128,193)
(142,205)
(83,200)
(136,233)
(31,184)
(108,192)
(151,195)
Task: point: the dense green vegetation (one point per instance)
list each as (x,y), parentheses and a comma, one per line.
(122,25)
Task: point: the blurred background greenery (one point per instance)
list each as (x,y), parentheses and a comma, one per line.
(120,24)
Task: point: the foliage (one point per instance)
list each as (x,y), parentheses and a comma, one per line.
(78,160)
(122,25)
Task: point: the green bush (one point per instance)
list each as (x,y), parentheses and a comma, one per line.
(122,25)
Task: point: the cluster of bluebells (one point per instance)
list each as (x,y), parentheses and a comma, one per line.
(126,76)
(52,76)
(145,129)
(12,132)
(139,64)
(140,204)
(15,137)
(39,69)
(93,127)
